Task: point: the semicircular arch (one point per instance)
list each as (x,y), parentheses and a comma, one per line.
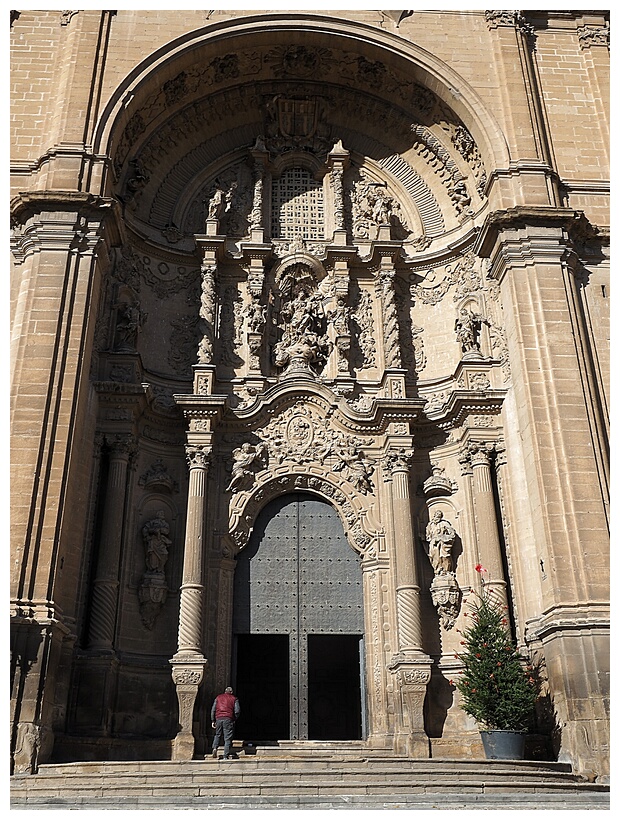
(352,508)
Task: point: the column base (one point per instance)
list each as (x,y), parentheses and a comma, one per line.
(187,674)
(412,673)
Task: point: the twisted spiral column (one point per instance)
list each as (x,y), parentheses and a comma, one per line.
(390,317)
(105,590)
(207,313)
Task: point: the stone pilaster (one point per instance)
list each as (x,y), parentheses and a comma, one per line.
(188,663)
(532,252)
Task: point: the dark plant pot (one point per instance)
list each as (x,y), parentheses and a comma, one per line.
(501,744)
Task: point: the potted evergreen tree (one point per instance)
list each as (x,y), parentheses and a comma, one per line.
(497,688)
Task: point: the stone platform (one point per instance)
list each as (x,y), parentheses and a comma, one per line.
(308,776)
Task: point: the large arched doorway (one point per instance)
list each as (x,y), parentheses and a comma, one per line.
(298,623)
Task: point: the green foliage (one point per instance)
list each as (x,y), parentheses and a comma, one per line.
(497,690)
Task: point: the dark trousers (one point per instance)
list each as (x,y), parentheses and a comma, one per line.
(226,727)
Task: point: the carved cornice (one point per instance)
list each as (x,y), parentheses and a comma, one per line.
(463,403)
(27,204)
(522,217)
(590,36)
(381,411)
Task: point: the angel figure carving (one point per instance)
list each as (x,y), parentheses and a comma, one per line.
(359,469)
(246,460)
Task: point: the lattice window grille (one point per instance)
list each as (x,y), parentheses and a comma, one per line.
(297,206)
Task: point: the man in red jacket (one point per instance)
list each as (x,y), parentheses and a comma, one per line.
(224,713)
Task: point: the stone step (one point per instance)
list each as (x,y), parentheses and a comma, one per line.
(428,801)
(253,779)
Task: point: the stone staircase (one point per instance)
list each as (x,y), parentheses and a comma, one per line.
(308,775)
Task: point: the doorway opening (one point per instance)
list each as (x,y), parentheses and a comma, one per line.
(334,694)
(263,687)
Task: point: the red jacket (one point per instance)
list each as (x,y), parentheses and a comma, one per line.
(225,706)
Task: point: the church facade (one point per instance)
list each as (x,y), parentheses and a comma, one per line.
(310,345)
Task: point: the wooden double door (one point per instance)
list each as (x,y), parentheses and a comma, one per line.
(298,616)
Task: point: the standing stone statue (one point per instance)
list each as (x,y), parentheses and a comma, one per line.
(467,327)
(440,536)
(156,542)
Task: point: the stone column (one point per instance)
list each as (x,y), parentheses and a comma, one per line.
(391,341)
(338,160)
(487,526)
(188,664)
(105,590)
(411,666)
(208,273)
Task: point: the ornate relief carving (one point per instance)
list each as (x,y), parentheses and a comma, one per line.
(496,18)
(438,483)
(167,278)
(390,317)
(356,468)
(593,36)
(303,347)
(158,479)
(372,205)
(198,456)
(183,343)
(153,589)
(247,461)
(397,460)
(299,61)
(362,322)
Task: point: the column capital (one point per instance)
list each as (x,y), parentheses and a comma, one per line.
(198,456)
(396,461)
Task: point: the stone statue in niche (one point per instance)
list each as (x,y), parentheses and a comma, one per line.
(339,317)
(153,590)
(445,591)
(247,460)
(467,328)
(303,326)
(129,320)
(156,542)
(440,536)
(216,204)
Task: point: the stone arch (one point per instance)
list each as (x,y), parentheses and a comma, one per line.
(352,508)
(161,92)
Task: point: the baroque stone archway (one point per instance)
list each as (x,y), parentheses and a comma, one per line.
(299,252)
